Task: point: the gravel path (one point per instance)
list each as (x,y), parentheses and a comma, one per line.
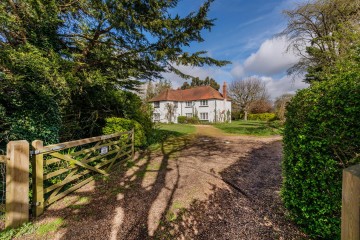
(208,186)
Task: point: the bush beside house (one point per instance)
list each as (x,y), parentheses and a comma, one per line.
(189,120)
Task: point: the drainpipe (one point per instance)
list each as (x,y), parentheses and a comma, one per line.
(215,120)
(181,109)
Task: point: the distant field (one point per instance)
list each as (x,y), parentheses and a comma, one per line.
(256,128)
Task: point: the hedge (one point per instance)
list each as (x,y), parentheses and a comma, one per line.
(321,137)
(115,124)
(181,119)
(190,120)
(262,116)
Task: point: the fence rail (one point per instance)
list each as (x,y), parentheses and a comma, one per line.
(62,168)
(3,158)
(57,170)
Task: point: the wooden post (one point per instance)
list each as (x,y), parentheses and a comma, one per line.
(350,212)
(132,144)
(17,183)
(38,179)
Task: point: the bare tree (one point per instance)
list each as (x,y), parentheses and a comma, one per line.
(319,32)
(261,106)
(280,105)
(152,90)
(245,91)
(170,112)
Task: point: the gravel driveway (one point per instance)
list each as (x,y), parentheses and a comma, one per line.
(204,186)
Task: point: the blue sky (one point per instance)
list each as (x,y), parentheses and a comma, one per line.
(244,34)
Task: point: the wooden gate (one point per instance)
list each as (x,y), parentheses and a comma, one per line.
(60,169)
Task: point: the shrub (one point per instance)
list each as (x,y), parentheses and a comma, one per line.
(115,124)
(262,116)
(193,120)
(321,137)
(190,120)
(236,115)
(39,121)
(182,119)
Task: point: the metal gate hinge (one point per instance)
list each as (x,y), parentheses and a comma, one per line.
(34,152)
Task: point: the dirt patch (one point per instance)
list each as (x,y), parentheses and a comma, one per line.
(199,187)
(208,130)
(250,209)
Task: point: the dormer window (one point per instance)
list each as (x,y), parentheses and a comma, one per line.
(156,104)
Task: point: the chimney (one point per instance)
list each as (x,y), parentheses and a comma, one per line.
(225,90)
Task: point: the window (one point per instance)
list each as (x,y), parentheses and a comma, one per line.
(204,116)
(156,116)
(175,104)
(189,115)
(156,104)
(188,104)
(203,103)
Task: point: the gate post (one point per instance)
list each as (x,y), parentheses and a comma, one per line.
(17,183)
(38,179)
(350,211)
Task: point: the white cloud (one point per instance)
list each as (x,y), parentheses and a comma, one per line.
(269,63)
(278,87)
(271,58)
(286,84)
(238,70)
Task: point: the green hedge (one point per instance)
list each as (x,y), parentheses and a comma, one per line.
(321,137)
(262,116)
(115,124)
(236,115)
(181,119)
(191,120)
(40,120)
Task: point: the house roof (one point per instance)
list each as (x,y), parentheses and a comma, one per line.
(192,94)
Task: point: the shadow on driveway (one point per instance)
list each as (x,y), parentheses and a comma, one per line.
(193,187)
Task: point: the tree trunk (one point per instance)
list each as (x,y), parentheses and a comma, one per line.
(245,115)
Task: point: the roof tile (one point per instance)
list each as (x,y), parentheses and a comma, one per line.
(192,94)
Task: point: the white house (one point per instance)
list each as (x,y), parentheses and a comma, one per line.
(204,102)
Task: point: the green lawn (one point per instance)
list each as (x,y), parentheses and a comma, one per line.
(177,129)
(256,128)
(163,132)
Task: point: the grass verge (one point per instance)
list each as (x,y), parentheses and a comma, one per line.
(255,128)
(30,228)
(164,132)
(178,129)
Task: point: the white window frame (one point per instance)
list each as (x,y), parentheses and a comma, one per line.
(156,116)
(188,104)
(204,103)
(189,115)
(156,104)
(204,116)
